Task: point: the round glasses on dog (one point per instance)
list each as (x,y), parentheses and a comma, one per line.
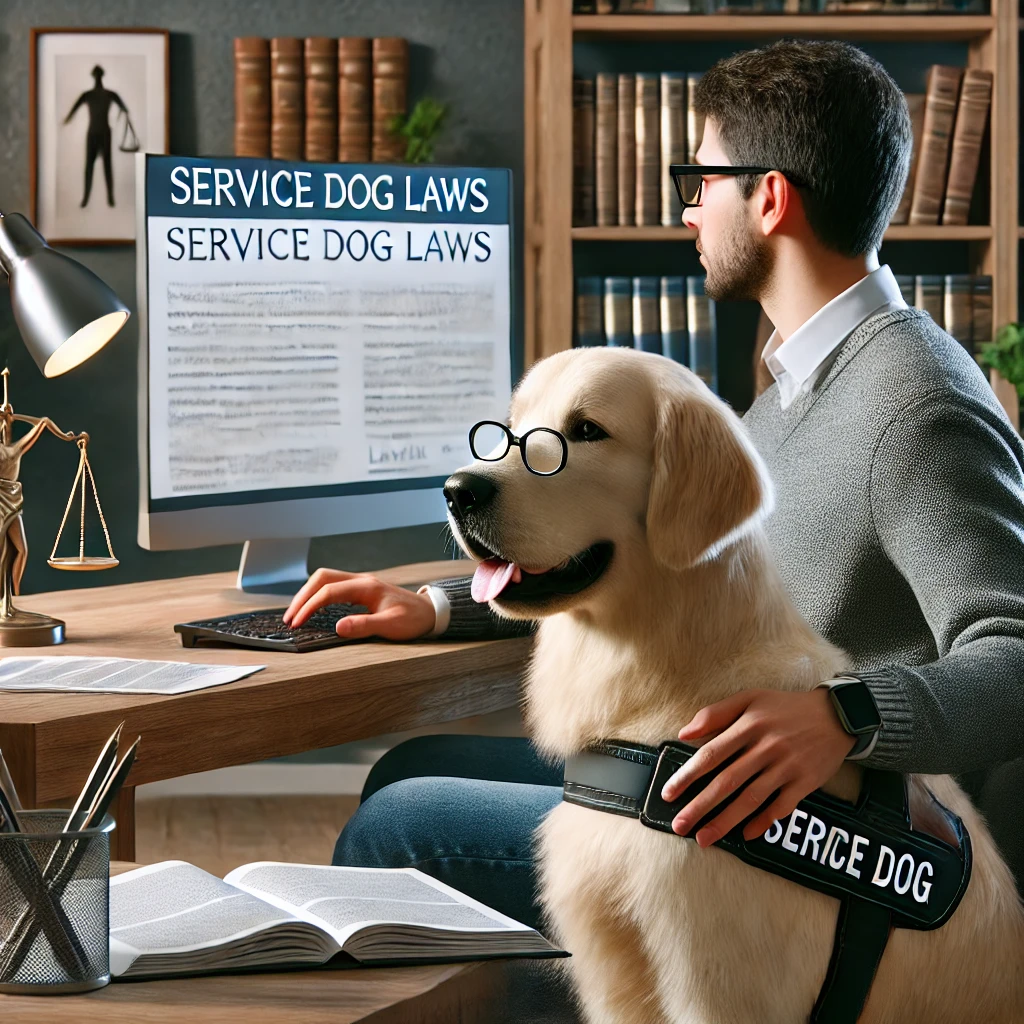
(544,450)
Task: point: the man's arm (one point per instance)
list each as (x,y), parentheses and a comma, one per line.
(947,497)
(469,620)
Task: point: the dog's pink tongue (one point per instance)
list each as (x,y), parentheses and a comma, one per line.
(492,577)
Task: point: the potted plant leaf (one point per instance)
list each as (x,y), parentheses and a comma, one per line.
(420,129)
(1006,355)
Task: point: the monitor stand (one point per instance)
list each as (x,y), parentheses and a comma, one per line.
(274,566)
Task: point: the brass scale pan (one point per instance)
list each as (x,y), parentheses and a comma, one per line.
(83,562)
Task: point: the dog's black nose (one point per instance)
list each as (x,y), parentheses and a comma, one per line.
(467,492)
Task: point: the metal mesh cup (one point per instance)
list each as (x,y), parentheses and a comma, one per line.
(54,916)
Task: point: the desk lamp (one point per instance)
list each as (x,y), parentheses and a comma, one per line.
(65,314)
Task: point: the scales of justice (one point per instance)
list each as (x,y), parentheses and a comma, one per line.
(31,629)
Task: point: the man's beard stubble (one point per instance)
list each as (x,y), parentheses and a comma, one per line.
(741,264)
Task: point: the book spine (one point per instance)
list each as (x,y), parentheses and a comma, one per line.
(957,308)
(648,151)
(321,55)
(627,150)
(607,183)
(355,60)
(589,311)
(646,326)
(673,143)
(390,88)
(906,286)
(618,311)
(939,111)
(700,318)
(915,106)
(928,296)
(252,96)
(286,89)
(675,341)
(583,117)
(981,310)
(694,121)
(968,131)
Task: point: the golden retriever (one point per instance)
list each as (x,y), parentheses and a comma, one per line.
(646,561)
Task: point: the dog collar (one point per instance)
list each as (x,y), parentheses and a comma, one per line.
(864,854)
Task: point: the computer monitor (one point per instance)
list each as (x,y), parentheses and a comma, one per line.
(316,341)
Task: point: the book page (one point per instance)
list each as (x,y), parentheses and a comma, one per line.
(175,907)
(344,900)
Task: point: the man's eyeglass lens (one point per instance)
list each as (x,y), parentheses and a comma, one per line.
(689,186)
(542,448)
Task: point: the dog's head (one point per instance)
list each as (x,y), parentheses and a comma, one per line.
(658,471)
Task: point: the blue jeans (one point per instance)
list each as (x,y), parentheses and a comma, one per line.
(462,809)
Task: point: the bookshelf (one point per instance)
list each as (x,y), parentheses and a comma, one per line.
(550,32)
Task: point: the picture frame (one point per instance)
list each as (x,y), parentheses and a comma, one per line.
(82,139)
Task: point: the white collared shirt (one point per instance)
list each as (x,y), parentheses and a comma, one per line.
(799,362)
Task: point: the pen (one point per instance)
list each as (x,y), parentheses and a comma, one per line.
(7,784)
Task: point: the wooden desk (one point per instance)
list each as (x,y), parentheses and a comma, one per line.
(439,994)
(298,702)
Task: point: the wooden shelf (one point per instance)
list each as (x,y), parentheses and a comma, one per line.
(896,233)
(925,27)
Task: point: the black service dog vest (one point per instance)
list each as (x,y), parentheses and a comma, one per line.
(866,855)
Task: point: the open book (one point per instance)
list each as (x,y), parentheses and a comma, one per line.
(174,918)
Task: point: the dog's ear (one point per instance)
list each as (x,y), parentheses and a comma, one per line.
(708,484)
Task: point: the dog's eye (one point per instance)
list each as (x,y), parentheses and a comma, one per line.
(587,430)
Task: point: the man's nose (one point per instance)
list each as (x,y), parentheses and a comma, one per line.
(467,492)
(690,215)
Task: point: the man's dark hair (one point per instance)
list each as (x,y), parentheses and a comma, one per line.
(826,113)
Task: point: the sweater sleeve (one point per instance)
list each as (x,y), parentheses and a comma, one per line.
(472,621)
(947,499)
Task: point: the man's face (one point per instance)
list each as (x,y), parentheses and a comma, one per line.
(738,261)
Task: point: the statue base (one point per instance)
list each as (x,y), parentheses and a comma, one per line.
(30,629)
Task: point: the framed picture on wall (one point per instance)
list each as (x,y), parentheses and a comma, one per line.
(96,97)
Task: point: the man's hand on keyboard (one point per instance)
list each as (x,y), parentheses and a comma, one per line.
(394,613)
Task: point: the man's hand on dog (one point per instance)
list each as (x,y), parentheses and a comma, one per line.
(392,612)
(788,744)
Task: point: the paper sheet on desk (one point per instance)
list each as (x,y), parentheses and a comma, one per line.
(115,675)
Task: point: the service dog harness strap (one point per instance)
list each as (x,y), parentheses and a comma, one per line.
(866,854)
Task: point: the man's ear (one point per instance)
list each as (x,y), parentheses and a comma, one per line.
(708,484)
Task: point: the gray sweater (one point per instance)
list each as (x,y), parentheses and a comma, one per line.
(899,482)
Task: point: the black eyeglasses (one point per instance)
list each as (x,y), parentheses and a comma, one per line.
(689,178)
(544,450)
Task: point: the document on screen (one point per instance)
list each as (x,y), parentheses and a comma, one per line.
(289,352)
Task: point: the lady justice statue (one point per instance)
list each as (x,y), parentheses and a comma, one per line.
(20,628)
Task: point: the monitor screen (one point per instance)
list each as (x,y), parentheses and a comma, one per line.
(311,332)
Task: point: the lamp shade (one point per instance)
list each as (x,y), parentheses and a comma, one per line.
(64,312)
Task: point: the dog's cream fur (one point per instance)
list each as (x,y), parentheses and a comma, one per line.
(691,610)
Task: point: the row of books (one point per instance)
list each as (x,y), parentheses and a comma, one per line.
(949,121)
(320,99)
(961,304)
(628,128)
(673,317)
(668,315)
(778,6)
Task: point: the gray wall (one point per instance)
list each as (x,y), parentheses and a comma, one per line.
(466,52)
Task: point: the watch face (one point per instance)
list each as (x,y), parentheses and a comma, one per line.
(858,707)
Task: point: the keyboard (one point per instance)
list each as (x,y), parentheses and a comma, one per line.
(266,629)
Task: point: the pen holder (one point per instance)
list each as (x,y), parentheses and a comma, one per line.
(54,906)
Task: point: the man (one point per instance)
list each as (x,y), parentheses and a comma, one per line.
(899,521)
(98,140)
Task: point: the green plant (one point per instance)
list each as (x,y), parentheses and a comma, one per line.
(420,129)
(1006,355)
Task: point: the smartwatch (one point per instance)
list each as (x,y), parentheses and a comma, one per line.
(857,712)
